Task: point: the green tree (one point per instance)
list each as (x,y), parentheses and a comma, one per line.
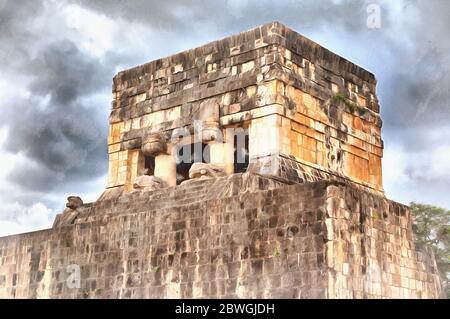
(432,228)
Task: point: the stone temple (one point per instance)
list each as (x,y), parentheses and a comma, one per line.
(249,167)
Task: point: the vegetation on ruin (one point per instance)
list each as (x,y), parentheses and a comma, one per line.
(431,227)
(340,98)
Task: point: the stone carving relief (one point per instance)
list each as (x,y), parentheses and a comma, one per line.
(68,216)
(205,171)
(146,182)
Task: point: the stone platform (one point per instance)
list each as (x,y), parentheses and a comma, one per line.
(243,236)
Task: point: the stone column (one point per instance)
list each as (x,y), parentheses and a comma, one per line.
(265,136)
(165,166)
(265,141)
(228,153)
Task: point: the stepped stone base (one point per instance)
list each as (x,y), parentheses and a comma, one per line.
(244,236)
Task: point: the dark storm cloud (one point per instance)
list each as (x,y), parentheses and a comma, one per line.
(61,146)
(15,33)
(63,138)
(231,16)
(419,93)
(65,73)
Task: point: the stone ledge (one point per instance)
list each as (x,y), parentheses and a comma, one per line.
(271,33)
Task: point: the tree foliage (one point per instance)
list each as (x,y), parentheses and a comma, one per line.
(432,228)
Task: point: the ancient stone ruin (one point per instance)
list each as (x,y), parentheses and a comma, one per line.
(249,167)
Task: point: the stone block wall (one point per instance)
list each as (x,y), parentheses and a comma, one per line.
(249,237)
(297,99)
(265,244)
(370,249)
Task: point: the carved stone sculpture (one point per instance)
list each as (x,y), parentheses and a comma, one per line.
(74,202)
(146,182)
(205,171)
(153,145)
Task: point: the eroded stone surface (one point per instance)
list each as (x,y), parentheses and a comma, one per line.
(212,239)
(154,145)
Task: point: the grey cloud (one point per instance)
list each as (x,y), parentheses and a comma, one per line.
(184,16)
(62,146)
(416,89)
(420,92)
(61,135)
(15,31)
(65,73)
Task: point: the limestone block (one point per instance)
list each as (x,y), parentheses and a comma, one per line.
(114,148)
(115,131)
(248,66)
(242,116)
(267,93)
(135,166)
(177,68)
(113,169)
(161,116)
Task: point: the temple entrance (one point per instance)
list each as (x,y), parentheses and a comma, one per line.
(188,154)
(241,150)
(149,165)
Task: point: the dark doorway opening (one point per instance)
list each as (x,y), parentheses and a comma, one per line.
(188,154)
(149,165)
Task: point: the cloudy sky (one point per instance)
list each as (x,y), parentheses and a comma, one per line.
(57,60)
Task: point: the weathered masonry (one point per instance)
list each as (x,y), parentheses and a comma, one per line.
(310,114)
(278,194)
